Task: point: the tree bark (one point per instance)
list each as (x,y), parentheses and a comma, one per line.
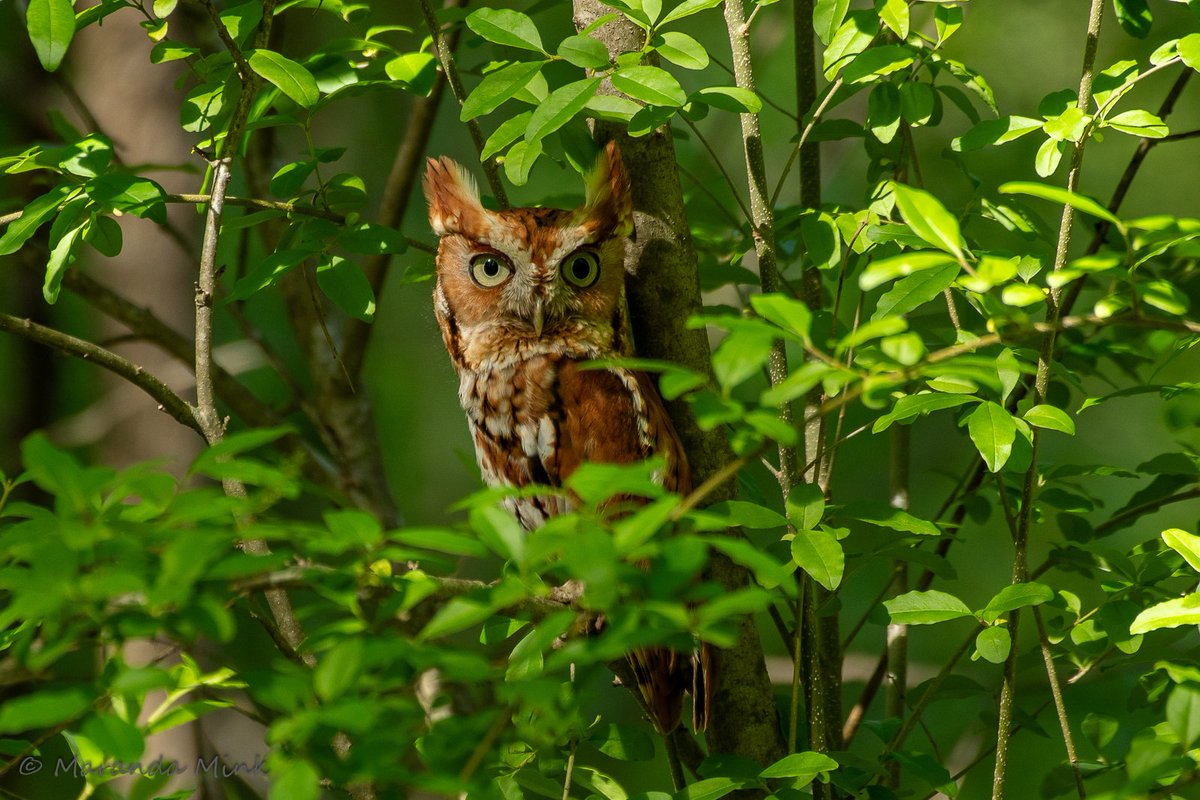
(663,291)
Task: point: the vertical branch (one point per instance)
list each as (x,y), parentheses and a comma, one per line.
(1020,570)
(206,287)
(897,634)
(446,59)
(1060,707)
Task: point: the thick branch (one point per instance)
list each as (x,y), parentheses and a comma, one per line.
(663,296)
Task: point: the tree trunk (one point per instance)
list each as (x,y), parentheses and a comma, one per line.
(663,291)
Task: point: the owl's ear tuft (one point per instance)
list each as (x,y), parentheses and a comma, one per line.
(453,195)
(608,207)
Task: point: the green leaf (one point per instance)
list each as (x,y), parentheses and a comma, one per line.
(1183,713)
(267,272)
(64,248)
(498,87)
(791,315)
(1189,50)
(992,430)
(885,516)
(1055,194)
(115,736)
(806,766)
(828,16)
(507,27)
(925,608)
(418,70)
(1164,296)
(520,160)
(33,217)
(769,572)
(947,20)
(504,135)
(686,9)
(894,14)
(558,109)
(805,506)
(709,789)
(345,284)
(912,292)
(820,555)
(43,709)
(650,85)
(622,742)
(104,235)
(139,196)
(681,50)
(289,77)
(1134,17)
(1051,418)
(881,60)
(338,669)
(1048,157)
(730,98)
(1184,543)
(51,25)
(995,131)
(1170,614)
(748,515)
(296,780)
(1014,596)
(584,51)
(884,270)
(993,644)
(1139,123)
(929,219)
(911,406)
(367,238)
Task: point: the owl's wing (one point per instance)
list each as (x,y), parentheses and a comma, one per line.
(612,416)
(616,416)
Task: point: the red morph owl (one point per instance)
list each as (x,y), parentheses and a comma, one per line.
(523,298)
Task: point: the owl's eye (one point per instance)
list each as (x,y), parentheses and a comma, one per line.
(581,268)
(489,270)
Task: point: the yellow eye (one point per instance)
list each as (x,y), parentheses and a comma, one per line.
(490,270)
(581,268)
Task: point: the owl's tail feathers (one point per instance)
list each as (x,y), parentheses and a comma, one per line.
(663,675)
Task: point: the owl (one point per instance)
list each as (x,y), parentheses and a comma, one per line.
(524,297)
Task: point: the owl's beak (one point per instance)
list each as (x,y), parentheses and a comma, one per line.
(539,316)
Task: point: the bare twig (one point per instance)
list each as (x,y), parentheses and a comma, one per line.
(446,59)
(168,401)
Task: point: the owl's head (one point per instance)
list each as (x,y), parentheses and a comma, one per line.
(530,272)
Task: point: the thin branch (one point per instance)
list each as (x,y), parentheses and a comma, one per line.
(206,288)
(896,686)
(1060,707)
(737,198)
(168,401)
(1020,569)
(446,59)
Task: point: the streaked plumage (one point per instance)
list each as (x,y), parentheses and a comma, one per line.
(524,296)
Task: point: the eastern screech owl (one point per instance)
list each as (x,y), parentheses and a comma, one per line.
(524,296)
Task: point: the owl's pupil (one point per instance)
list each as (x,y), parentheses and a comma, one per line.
(580,268)
(491,268)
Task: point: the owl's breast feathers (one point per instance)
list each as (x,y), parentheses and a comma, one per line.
(535,420)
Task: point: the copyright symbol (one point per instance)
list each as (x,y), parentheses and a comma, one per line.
(30,765)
